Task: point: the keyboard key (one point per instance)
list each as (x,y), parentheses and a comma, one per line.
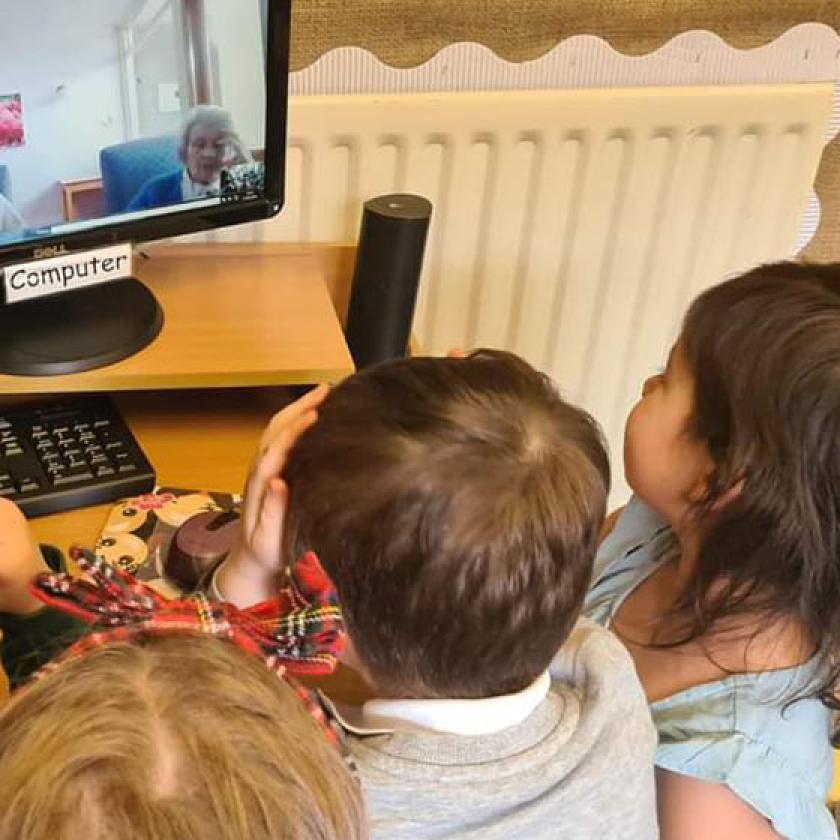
(26,478)
(53,456)
(72,478)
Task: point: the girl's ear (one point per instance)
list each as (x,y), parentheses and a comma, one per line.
(700,493)
(728,496)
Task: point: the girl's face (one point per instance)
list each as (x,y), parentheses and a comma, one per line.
(663,463)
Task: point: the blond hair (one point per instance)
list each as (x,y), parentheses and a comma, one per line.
(178,739)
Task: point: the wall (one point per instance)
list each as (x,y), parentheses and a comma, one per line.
(62,57)
(235,30)
(158,62)
(405,33)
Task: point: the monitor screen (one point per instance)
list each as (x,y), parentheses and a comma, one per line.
(135,119)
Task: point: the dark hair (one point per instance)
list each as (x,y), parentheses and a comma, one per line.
(456,505)
(764,351)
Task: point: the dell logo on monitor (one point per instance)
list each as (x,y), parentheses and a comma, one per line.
(49,251)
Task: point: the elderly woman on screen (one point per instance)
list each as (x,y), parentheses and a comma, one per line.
(209,144)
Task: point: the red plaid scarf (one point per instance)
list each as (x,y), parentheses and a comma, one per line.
(299,632)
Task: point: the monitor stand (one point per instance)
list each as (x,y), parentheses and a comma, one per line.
(75,331)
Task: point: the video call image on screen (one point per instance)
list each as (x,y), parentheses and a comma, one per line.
(116,110)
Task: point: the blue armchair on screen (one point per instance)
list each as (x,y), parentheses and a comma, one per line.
(127,167)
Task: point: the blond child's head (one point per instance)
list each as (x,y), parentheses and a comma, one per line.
(180,738)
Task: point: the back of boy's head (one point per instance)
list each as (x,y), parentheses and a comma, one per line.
(183,738)
(456,504)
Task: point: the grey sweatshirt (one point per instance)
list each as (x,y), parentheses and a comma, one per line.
(579,767)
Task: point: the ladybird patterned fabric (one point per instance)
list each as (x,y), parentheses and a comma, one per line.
(139,530)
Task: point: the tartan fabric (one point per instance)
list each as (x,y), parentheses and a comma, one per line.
(299,632)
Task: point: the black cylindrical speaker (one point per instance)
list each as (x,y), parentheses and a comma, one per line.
(388,264)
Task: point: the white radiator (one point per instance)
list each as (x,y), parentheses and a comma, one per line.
(571,226)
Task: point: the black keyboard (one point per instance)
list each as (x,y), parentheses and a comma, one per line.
(69,454)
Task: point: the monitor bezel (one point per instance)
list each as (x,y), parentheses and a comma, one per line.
(184,221)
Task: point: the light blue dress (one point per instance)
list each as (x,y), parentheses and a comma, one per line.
(736,731)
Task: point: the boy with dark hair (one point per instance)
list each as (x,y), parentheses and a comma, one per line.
(456,504)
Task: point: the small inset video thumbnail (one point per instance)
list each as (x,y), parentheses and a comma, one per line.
(243,181)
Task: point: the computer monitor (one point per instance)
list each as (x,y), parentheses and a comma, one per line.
(124,121)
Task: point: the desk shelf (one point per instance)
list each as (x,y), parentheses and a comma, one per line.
(235,316)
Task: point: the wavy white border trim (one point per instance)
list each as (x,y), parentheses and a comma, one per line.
(809,52)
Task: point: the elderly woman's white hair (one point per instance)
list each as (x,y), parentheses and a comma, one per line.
(216,119)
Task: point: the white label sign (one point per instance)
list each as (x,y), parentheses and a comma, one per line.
(65,274)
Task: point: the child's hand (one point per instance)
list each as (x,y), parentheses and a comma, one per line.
(20,561)
(252,571)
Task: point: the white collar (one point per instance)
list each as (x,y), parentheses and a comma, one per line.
(455,717)
(189,188)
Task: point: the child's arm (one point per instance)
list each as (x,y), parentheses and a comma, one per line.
(32,633)
(252,572)
(691,809)
(20,561)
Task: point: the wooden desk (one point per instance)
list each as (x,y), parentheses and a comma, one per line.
(194,439)
(82,199)
(238,315)
(235,316)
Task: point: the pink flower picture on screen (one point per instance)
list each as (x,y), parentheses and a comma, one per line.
(11,121)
